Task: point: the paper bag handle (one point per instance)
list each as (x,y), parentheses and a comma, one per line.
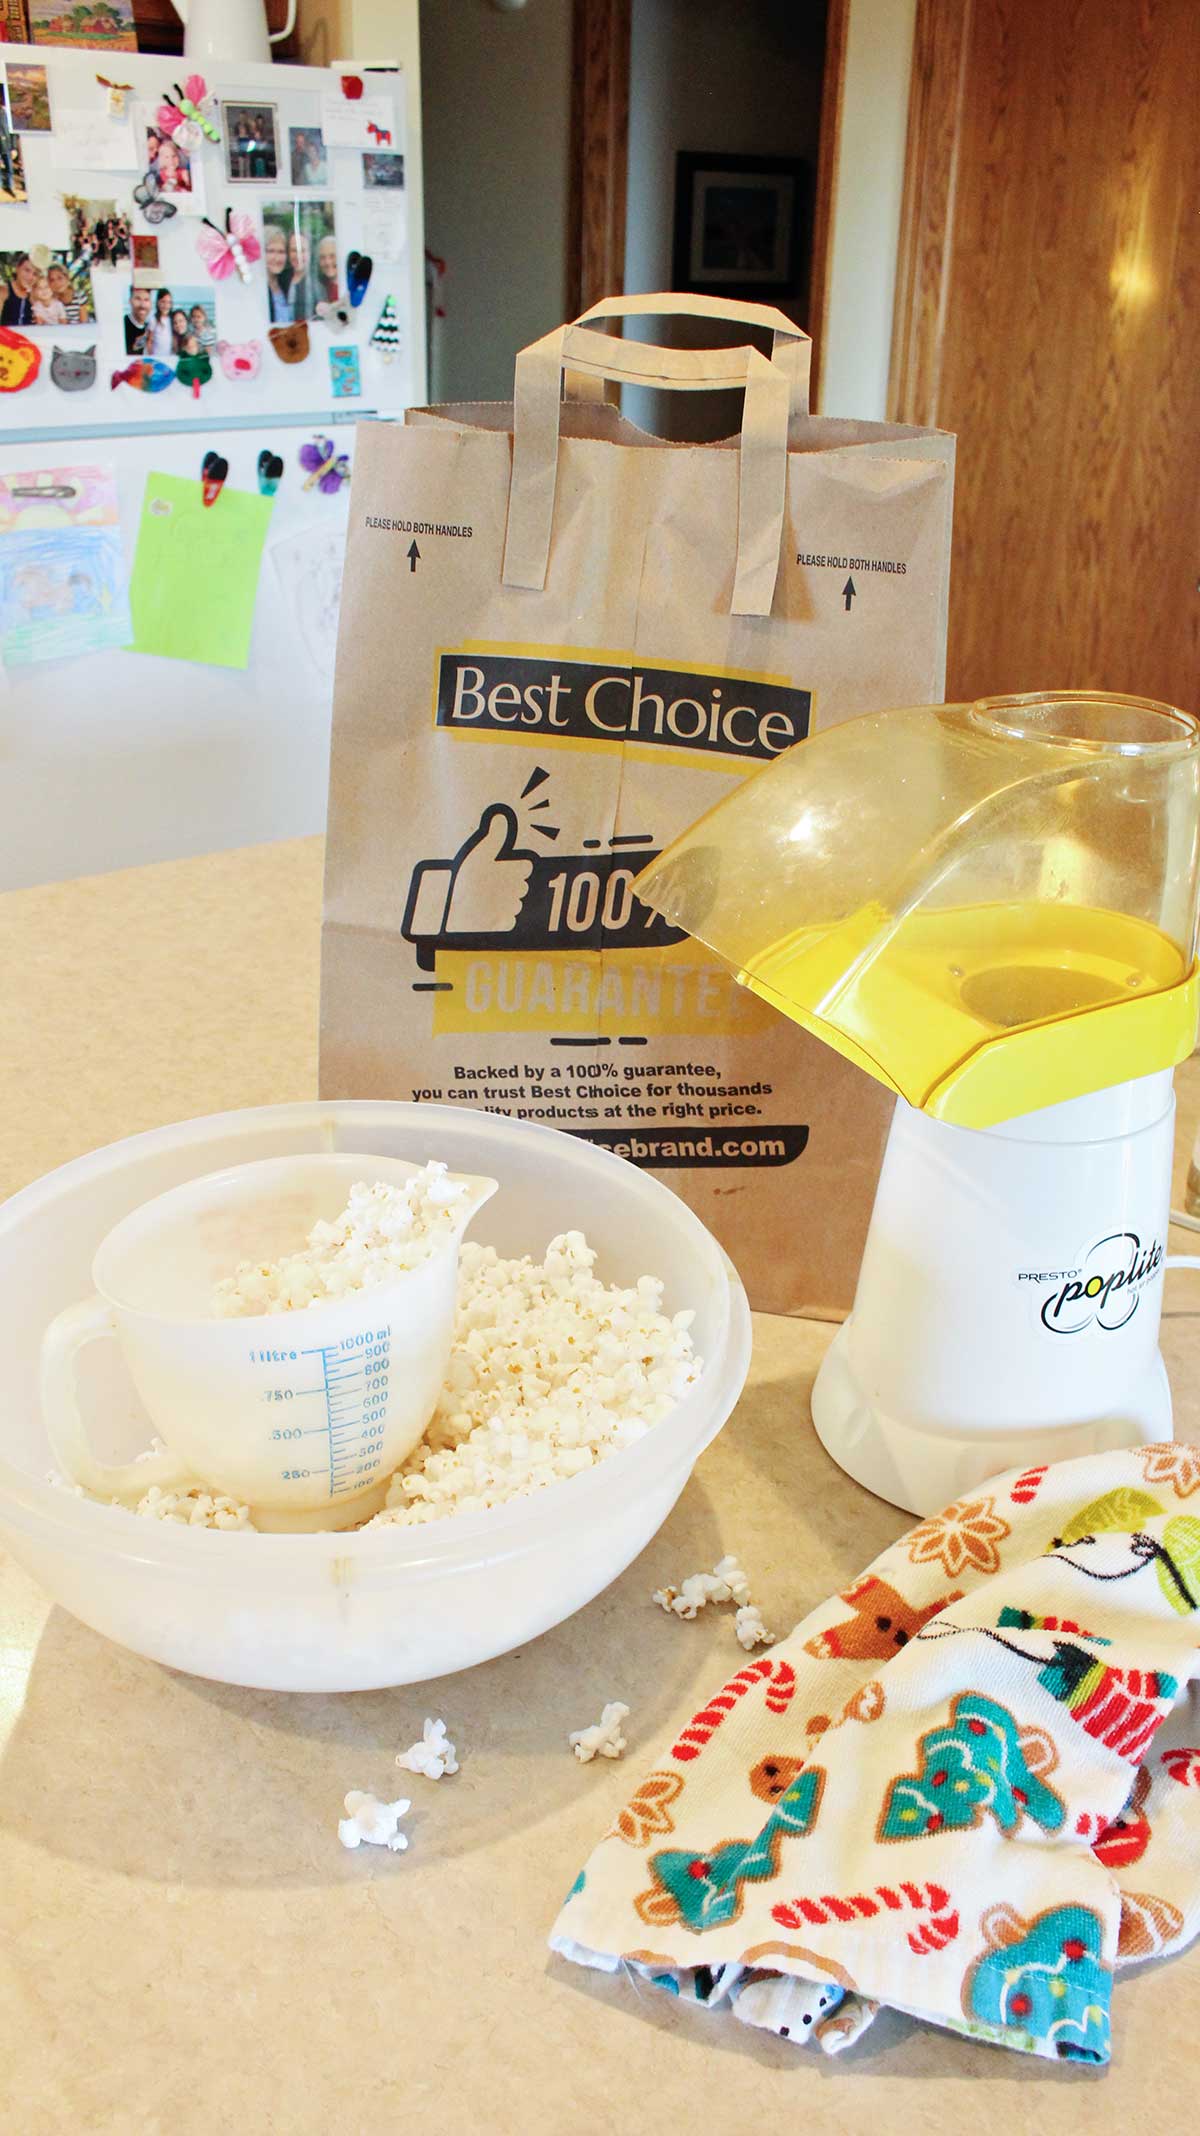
(762,472)
(690,369)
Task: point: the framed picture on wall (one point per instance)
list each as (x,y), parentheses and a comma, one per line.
(742,225)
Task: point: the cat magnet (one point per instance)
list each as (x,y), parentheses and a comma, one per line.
(73,370)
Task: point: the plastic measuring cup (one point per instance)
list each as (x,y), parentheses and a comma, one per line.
(301,1415)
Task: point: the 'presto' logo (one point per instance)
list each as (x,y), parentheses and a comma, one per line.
(1107,1288)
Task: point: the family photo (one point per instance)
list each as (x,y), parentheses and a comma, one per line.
(310,165)
(251,143)
(54,289)
(301,258)
(169,163)
(99,234)
(165,324)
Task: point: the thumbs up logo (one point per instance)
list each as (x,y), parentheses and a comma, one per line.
(477,896)
(500,892)
(489,877)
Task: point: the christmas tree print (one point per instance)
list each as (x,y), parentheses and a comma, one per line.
(705,1890)
(1044,1980)
(386,336)
(976,1765)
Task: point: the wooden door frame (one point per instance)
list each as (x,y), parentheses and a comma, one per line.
(941,41)
(833,83)
(599,152)
(599,159)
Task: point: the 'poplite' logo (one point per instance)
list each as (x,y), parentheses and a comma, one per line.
(1108,1286)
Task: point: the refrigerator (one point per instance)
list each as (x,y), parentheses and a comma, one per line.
(170,541)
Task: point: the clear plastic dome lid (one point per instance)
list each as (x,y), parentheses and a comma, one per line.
(990,907)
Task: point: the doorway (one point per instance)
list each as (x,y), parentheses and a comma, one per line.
(1048,312)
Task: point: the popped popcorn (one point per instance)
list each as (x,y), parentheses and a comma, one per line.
(433,1755)
(551,1371)
(604,1738)
(749,1629)
(195,1507)
(373,1821)
(382,1232)
(725,1583)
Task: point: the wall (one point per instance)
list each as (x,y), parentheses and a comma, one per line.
(707,75)
(866,216)
(497,106)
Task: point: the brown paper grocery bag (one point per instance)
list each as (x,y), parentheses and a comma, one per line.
(561,640)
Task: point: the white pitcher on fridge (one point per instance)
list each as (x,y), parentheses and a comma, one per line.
(229,29)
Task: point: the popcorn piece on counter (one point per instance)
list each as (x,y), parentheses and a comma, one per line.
(195,1508)
(730,1572)
(749,1629)
(382,1232)
(433,1755)
(725,1583)
(604,1739)
(551,1371)
(373,1821)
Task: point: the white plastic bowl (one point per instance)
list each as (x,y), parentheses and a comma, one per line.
(361,1611)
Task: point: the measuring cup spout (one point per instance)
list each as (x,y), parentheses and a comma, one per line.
(480,1191)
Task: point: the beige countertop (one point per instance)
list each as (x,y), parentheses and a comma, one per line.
(184,1944)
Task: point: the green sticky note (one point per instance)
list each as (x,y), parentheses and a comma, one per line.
(195,574)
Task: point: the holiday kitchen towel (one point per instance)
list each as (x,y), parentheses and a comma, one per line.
(969,1787)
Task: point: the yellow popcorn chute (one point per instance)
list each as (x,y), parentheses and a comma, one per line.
(989,907)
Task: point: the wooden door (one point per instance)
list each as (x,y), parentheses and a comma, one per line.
(1048,311)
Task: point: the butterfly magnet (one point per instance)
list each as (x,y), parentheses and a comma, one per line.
(188,116)
(232,250)
(325,468)
(148,196)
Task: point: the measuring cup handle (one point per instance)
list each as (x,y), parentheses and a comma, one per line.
(65,1337)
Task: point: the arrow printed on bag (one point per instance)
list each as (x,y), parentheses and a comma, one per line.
(414,557)
(848,592)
